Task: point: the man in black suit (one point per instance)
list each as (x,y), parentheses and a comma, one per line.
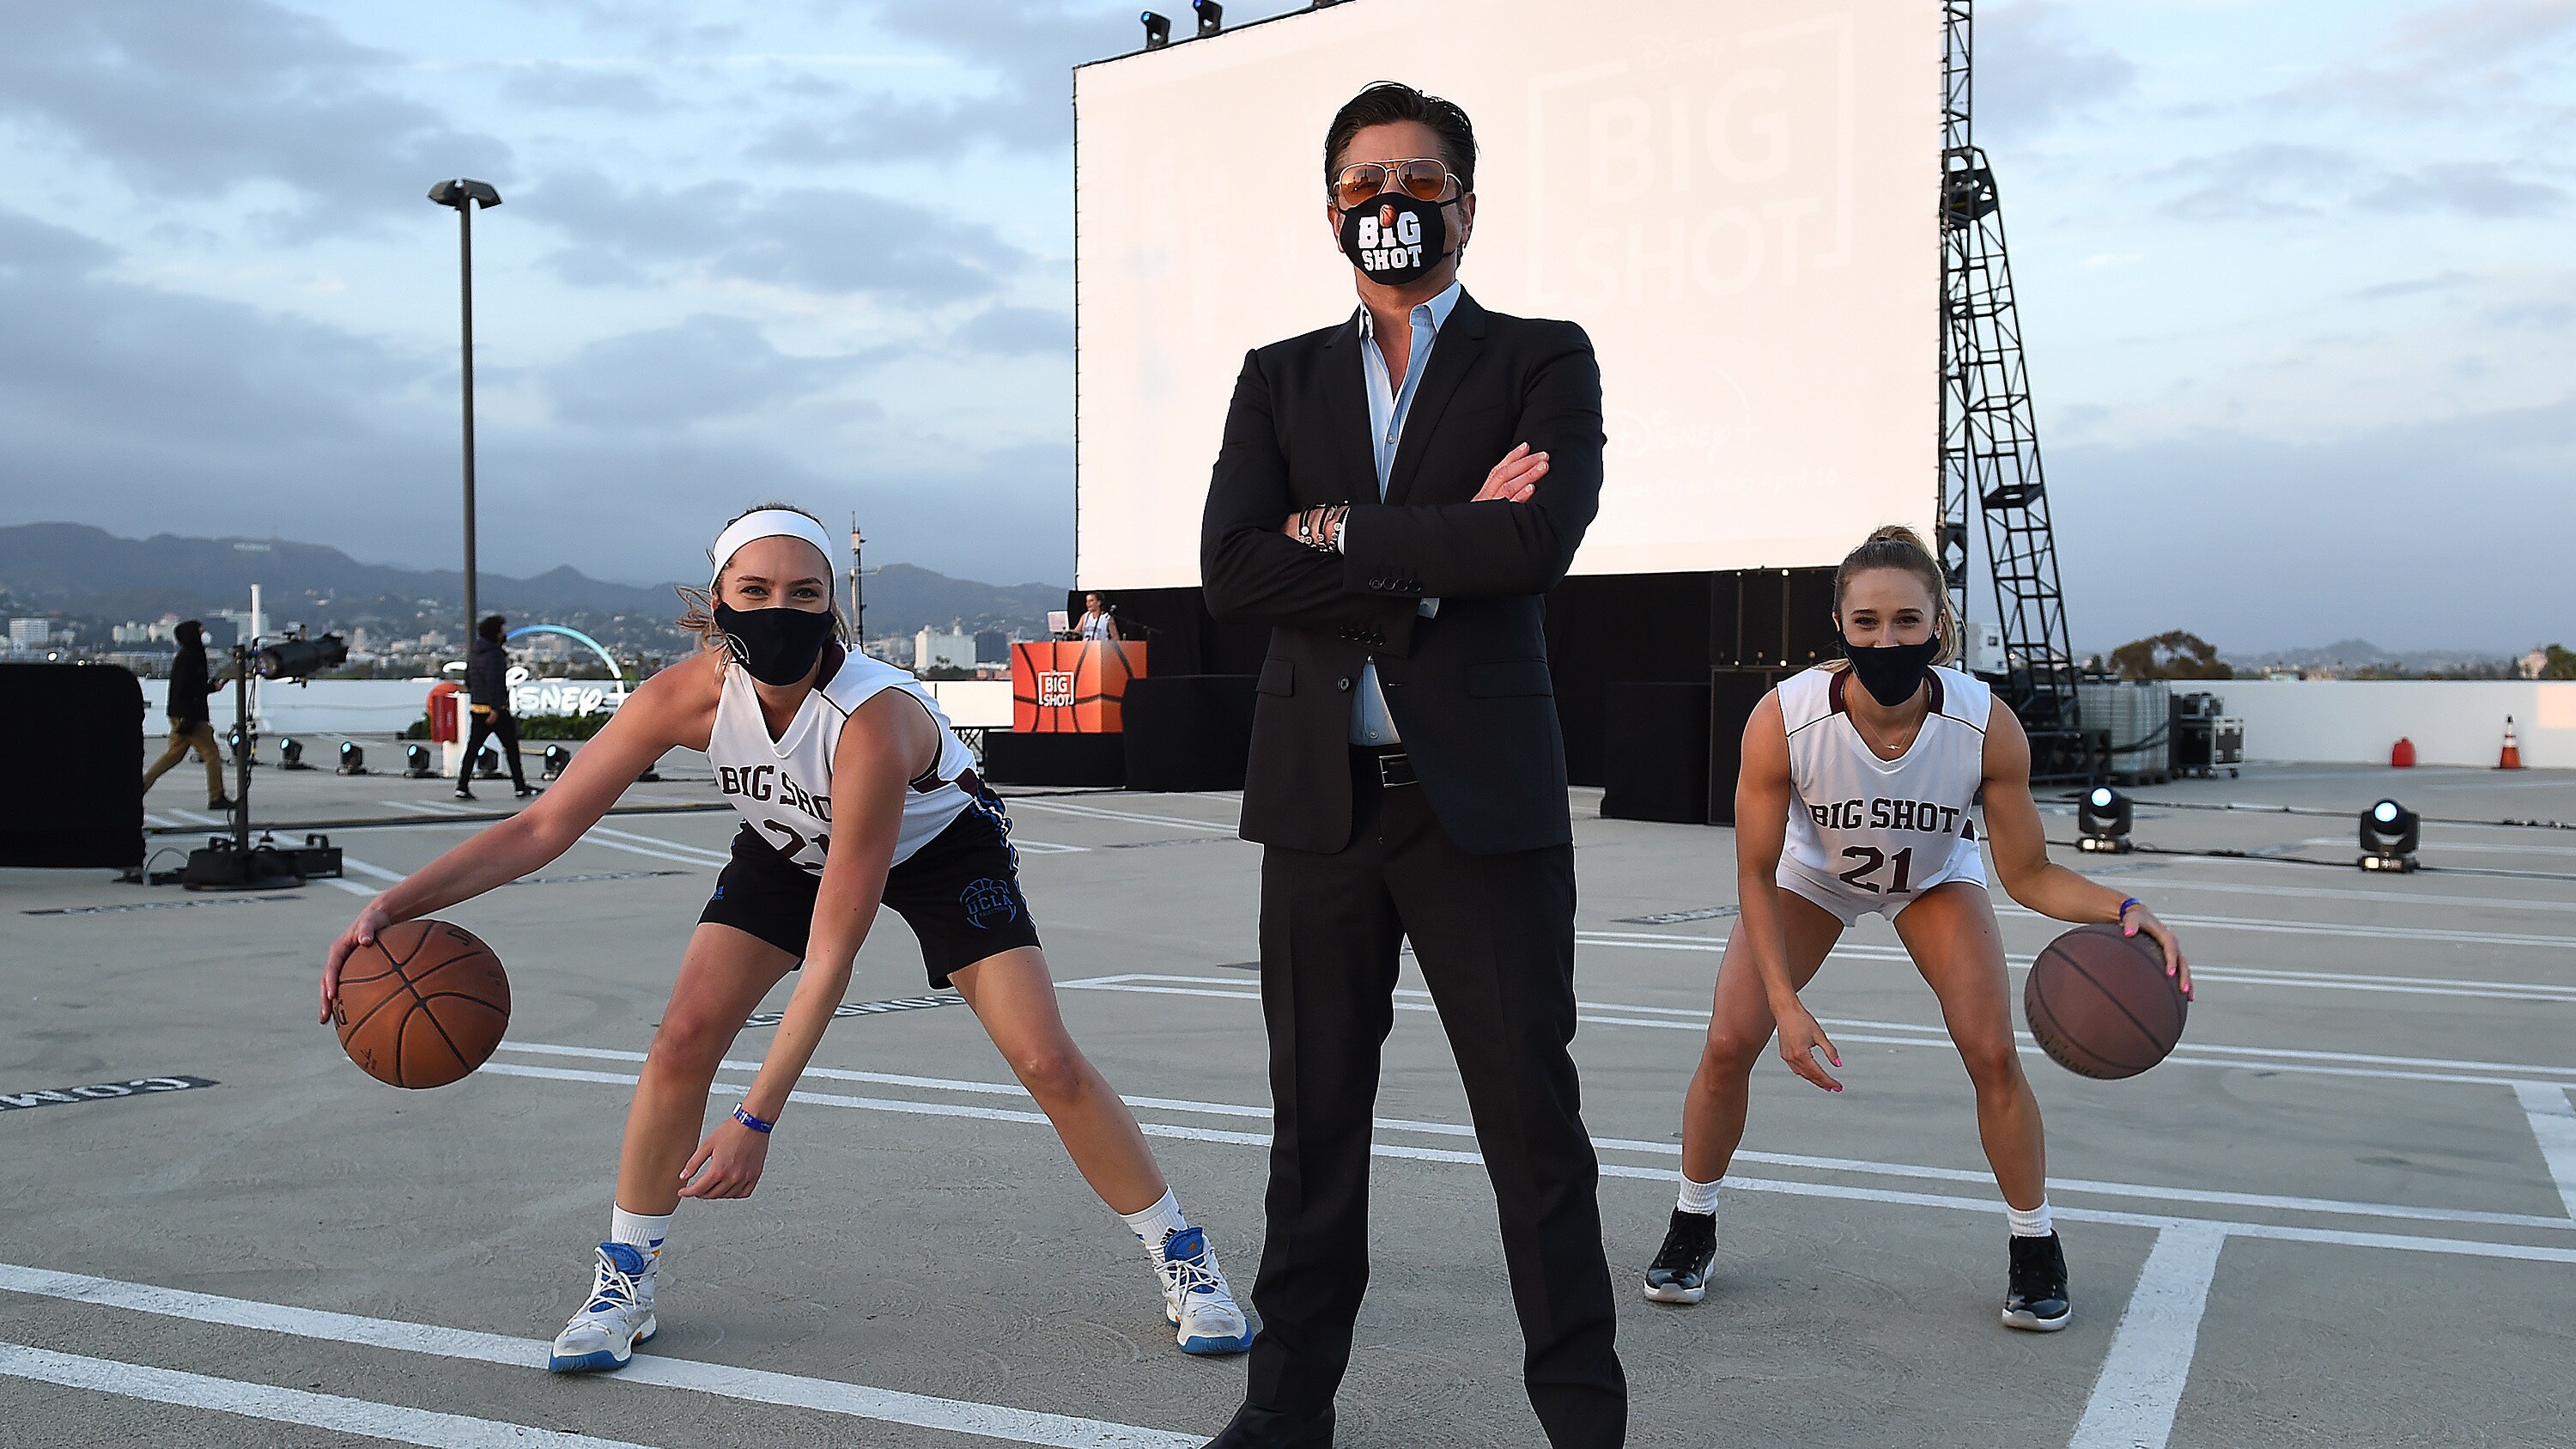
(1407,775)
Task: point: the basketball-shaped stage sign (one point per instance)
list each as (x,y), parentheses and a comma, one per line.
(2100,1003)
(423,1005)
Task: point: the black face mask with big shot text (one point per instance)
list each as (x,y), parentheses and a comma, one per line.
(1892,672)
(1395,238)
(778,645)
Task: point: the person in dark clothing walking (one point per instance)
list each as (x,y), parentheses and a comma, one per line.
(487,688)
(191,726)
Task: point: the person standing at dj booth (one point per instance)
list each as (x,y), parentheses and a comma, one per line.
(487,689)
(1393,495)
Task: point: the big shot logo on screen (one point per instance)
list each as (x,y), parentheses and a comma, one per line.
(1707,171)
(768,782)
(1055,687)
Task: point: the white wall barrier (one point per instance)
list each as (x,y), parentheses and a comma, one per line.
(388,706)
(2355,721)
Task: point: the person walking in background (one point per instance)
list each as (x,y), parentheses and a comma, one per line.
(191,727)
(1407,777)
(487,688)
(1097,623)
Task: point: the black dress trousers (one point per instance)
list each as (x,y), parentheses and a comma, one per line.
(1494,938)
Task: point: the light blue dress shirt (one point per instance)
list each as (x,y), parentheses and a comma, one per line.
(1371,724)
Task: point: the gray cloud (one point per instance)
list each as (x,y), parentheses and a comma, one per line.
(2475,189)
(696,370)
(2034,68)
(817,239)
(583,88)
(2265,180)
(2461,521)
(2467,55)
(193,100)
(2276,180)
(1018,331)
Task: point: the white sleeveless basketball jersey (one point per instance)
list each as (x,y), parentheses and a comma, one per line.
(783,787)
(1874,833)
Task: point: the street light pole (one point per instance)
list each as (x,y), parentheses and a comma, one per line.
(465,195)
(858,601)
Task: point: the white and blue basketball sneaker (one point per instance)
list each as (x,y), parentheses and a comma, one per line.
(617,1319)
(1196,1302)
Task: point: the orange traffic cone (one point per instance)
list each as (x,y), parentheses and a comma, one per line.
(2512,751)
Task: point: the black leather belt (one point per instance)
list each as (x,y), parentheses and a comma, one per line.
(1392,767)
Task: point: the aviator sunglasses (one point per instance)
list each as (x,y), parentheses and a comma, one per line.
(1423,178)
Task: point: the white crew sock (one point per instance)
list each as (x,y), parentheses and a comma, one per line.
(1158,1222)
(638,1231)
(2030,1224)
(1698,1197)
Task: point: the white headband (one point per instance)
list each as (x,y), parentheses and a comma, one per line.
(770,523)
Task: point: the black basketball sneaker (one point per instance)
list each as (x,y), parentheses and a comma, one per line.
(2036,1296)
(1679,1273)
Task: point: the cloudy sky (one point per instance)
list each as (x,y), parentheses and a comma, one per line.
(2295,280)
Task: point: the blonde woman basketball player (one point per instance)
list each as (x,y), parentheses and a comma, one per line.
(1855,798)
(854,793)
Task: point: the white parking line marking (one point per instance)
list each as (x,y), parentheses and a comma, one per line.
(2149,1361)
(365,869)
(593,837)
(193,818)
(286,1406)
(2553,1123)
(1095,812)
(352,887)
(2401,1241)
(415,807)
(163,821)
(830,1396)
(2150,1192)
(1851,1029)
(716,856)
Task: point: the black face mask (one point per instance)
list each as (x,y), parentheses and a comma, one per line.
(1395,238)
(777,645)
(1892,672)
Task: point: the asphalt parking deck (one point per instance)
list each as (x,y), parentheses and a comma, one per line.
(2343,1213)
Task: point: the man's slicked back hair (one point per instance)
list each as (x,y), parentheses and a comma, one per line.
(1387,102)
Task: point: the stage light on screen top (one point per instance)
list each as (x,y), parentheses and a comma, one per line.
(2389,835)
(1158,30)
(1211,17)
(2103,817)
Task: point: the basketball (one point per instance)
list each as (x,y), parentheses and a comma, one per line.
(422,1006)
(2101,1004)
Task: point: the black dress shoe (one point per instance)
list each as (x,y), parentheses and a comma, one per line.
(1255,1427)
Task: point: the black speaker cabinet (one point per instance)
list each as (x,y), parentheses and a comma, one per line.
(75,734)
(1732,694)
(1655,753)
(1188,732)
(1034,759)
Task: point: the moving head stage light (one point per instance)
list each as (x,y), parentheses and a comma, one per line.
(299,659)
(353,761)
(2389,834)
(556,758)
(1211,17)
(1158,30)
(416,762)
(290,754)
(2103,817)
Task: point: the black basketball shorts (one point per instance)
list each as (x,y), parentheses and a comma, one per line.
(960,893)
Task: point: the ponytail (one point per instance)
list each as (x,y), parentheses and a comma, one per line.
(1895,546)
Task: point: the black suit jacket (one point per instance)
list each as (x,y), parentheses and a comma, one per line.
(1469,689)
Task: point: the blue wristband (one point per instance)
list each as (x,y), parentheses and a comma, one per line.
(2123,917)
(743,1116)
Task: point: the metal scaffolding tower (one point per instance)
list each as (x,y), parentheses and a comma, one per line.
(1990,440)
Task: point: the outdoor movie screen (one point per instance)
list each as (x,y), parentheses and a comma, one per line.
(1737,199)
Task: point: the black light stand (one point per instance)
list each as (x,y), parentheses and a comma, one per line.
(232,862)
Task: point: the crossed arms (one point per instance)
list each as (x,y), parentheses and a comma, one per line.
(1512,539)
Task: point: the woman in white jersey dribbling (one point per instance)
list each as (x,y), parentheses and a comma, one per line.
(1855,795)
(854,793)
